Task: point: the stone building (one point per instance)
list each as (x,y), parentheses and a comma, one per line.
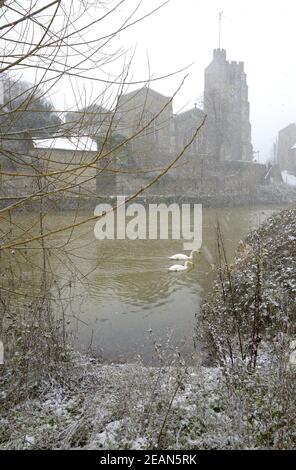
(159,134)
(145,119)
(152,136)
(228,129)
(146,116)
(185,125)
(124,149)
(286,155)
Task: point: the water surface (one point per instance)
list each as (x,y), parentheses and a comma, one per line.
(117,295)
(133,302)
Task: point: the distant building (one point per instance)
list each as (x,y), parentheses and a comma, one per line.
(185,125)
(158,133)
(142,135)
(146,117)
(123,150)
(228,129)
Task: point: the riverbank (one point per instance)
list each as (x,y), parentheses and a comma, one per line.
(99,406)
(253,302)
(95,406)
(89,405)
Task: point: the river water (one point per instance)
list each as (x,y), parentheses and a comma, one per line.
(124,302)
(134,303)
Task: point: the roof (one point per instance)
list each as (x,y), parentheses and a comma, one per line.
(192,112)
(290,126)
(65,143)
(146,90)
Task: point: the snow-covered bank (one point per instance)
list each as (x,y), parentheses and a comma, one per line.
(134,407)
(115,407)
(254,299)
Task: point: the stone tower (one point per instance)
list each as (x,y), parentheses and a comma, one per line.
(228,128)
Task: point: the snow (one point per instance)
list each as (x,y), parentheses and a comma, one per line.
(30,440)
(108,436)
(289,179)
(124,407)
(63,143)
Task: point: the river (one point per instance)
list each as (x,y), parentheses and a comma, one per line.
(124,302)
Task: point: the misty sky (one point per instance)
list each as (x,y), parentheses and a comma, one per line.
(262,34)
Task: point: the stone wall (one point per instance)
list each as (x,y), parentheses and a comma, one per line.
(71,173)
(207,176)
(67,171)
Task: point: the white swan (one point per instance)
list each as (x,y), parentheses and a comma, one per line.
(181,256)
(180,267)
